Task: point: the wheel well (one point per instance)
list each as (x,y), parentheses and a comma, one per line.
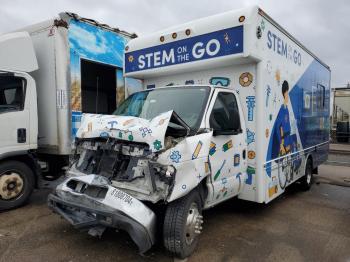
(311,159)
(203,190)
(27,159)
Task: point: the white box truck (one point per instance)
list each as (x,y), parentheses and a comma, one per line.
(51,73)
(233,106)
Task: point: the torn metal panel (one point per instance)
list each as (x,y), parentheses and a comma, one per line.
(128,128)
(110,207)
(190,158)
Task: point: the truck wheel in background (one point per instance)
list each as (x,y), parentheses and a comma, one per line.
(307,179)
(16,184)
(183,224)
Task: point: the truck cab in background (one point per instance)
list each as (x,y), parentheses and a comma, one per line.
(18,120)
(51,73)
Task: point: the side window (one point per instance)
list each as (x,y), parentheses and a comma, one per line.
(321,96)
(314,99)
(12,93)
(225,114)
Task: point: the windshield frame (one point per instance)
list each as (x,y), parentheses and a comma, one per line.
(198,123)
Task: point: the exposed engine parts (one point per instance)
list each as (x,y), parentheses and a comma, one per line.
(130,166)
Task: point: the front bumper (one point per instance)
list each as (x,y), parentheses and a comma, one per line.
(114,208)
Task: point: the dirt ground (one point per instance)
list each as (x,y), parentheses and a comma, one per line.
(298,226)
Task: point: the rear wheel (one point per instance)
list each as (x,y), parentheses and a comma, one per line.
(307,179)
(16,184)
(183,224)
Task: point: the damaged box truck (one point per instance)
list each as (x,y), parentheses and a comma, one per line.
(51,73)
(233,106)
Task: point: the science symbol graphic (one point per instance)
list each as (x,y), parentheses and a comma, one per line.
(250,136)
(175,156)
(250,105)
(157,145)
(131,58)
(268,92)
(145,131)
(112,123)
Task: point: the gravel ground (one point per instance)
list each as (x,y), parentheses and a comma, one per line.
(298,226)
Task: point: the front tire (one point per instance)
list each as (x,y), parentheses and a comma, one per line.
(16,184)
(307,179)
(182,225)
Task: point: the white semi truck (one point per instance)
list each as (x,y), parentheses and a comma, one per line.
(233,106)
(51,73)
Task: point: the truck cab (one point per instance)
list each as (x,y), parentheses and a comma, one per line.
(18,115)
(160,146)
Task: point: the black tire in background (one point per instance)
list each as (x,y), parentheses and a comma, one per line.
(175,230)
(307,179)
(28,179)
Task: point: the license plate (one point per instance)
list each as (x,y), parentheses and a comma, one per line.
(122,196)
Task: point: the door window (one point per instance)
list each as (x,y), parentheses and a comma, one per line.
(12,93)
(225,114)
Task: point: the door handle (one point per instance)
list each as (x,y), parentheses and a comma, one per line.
(21,135)
(244,153)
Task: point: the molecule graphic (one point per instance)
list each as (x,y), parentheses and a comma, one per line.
(268,92)
(145,131)
(175,156)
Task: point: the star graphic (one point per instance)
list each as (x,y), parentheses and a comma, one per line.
(130,58)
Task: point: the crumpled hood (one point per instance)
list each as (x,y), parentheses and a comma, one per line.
(129,128)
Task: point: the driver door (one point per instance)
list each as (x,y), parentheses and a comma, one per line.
(227,150)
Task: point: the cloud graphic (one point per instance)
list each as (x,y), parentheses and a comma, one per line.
(96,44)
(87,40)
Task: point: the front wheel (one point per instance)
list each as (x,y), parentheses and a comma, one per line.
(16,184)
(183,224)
(306,180)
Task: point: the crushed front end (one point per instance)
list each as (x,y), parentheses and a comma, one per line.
(112,183)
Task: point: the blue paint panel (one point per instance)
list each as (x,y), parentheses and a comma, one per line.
(96,44)
(310,100)
(76,119)
(221,43)
(313,123)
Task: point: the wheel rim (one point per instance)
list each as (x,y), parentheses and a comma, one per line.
(11,185)
(193,223)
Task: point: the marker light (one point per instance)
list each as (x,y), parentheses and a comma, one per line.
(127,48)
(188,32)
(241,19)
(161,39)
(174,35)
